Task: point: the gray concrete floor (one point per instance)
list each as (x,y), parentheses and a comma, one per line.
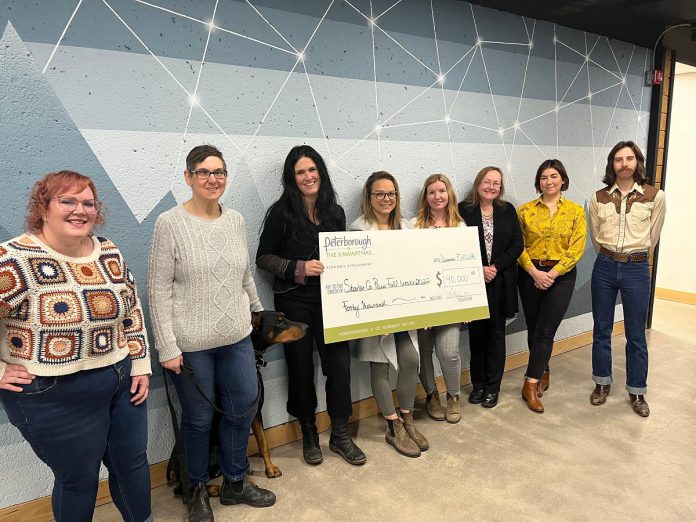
(574,462)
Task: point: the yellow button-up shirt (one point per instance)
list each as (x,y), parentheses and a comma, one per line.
(560,237)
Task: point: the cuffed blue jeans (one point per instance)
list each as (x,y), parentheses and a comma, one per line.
(74,423)
(633,281)
(231,370)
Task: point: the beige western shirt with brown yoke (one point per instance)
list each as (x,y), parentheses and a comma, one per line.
(627,223)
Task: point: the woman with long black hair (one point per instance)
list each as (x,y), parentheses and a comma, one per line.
(289,250)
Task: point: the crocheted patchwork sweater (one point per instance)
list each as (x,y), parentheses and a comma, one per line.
(60,315)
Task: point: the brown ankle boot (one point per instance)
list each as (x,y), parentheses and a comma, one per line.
(529,394)
(454,413)
(434,407)
(413,432)
(401,441)
(544,383)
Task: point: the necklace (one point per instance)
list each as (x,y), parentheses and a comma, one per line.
(487,216)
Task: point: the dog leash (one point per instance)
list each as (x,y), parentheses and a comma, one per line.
(189,373)
(180,454)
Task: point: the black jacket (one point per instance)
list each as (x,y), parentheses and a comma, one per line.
(279,250)
(507,247)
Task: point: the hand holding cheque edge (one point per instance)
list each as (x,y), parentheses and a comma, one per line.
(314,267)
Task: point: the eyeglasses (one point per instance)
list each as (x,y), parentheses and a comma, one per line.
(382,195)
(205,173)
(89,206)
(494,184)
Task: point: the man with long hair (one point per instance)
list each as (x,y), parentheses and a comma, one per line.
(625,222)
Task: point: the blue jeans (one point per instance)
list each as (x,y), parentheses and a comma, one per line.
(633,281)
(75,422)
(231,370)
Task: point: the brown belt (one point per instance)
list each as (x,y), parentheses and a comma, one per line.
(635,257)
(548,263)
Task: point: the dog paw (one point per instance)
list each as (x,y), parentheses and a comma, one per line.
(213,490)
(273,472)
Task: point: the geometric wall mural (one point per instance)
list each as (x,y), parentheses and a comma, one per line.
(122,89)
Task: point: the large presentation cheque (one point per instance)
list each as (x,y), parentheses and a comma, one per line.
(379,282)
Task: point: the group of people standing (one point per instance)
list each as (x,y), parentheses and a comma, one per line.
(75,357)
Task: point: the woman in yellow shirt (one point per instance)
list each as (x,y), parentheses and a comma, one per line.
(554,231)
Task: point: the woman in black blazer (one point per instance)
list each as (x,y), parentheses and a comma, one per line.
(500,238)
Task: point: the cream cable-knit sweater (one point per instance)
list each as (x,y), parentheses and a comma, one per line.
(200,285)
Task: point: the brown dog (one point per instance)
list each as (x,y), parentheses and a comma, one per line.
(268,328)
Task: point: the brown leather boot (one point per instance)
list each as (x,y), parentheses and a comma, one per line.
(640,406)
(529,394)
(413,432)
(434,407)
(599,394)
(401,441)
(454,413)
(544,383)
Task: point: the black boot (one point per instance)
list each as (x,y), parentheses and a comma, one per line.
(341,443)
(245,492)
(199,509)
(310,441)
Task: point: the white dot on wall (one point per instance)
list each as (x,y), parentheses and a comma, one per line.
(501,131)
(556,108)
(441,79)
(555,40)
(371,21)
(517,125)
(531,44)
(479,41)
(211,24)
(194,99)
(378,128)
(589,95)
(623,80)
(301,56)
(447,118)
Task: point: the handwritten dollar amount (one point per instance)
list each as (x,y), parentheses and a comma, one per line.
(457,277)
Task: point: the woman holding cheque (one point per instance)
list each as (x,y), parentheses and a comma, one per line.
(289,250)
(381,210)
(437,208)
(554,231)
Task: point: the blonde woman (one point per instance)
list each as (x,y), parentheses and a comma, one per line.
(437,208)
(381,210)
